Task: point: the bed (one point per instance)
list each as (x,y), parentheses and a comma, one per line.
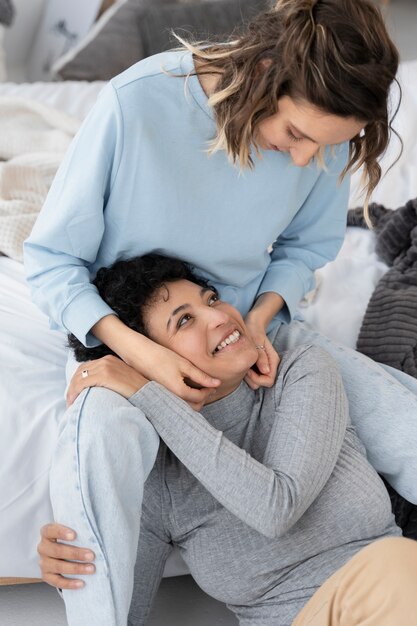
(32,357)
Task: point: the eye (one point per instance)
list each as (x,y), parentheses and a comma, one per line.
(183,320)
(213,297)
(292,136)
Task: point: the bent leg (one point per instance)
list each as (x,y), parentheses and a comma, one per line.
(105,452)
(377,587)
(405,379)
(382,407)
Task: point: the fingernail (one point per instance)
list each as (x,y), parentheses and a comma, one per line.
(79,584)
(89,556)
(89,568)
(265,369)
(70,536)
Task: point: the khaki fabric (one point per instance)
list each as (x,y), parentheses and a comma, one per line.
(377,587)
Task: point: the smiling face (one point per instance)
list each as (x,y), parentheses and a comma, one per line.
(194,323)
(300,129)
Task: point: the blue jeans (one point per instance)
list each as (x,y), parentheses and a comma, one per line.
(382,406)
(107,448)
(105,451)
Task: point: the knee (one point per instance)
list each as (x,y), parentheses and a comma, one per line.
(104,414)
(97,409)
(396,559)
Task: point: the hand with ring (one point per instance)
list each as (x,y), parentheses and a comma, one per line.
(264,372)
(110,372)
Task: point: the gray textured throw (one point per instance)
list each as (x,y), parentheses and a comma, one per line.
(389,328)
(6,12)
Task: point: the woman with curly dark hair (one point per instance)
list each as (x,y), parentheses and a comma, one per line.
(267,493)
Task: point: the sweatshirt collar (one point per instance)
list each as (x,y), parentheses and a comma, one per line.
(233,409)
(193,86)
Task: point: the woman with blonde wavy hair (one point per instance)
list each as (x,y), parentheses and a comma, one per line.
(234,157)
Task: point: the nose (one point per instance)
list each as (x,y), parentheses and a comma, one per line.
(301,156)
(216,317)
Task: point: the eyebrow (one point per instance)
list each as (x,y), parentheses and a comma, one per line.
(180,308)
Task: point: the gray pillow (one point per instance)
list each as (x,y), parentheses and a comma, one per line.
(202,20)
(112,45)
(133,29)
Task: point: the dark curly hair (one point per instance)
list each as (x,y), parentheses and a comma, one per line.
(128,287)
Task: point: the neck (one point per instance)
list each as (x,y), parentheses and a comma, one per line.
(225,389)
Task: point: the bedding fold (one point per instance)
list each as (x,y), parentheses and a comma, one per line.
(33,141)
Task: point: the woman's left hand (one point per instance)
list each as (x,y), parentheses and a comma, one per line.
(268,360)
(110,372)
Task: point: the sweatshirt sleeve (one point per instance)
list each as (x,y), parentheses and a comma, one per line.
(303,446)
(313,238)
(69,230)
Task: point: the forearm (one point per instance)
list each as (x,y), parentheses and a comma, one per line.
(111,331)
(64,245)
(229,473)
(313,237)
(269,496)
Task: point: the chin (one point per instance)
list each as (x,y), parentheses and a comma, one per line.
(235,369)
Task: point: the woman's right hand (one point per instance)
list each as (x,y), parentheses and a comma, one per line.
(109,372)
(176,374)
(156,362)
(58,561)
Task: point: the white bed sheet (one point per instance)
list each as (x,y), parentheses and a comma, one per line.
(32,357)
(32,381)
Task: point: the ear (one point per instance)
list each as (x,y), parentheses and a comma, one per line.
(263,65)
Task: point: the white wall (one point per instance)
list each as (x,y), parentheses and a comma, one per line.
(18,39)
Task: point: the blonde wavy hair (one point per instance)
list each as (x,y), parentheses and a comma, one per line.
(334,54)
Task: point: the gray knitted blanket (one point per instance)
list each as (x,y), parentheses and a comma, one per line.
(389,329)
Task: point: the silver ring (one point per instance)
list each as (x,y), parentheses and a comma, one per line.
(260,346)
(84,374)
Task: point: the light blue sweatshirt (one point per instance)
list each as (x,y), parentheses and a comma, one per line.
(137,179)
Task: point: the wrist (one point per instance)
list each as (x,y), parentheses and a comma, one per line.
(266,306)
(256,321)
(137,386)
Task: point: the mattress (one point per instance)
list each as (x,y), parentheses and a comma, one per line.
(32,357)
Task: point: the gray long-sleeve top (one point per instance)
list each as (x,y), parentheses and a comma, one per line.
(266,493)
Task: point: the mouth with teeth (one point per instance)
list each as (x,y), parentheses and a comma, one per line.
(230,339)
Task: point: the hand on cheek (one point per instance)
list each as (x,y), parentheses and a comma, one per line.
(263,373)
